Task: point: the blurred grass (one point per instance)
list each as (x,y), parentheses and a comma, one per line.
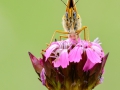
(26,25)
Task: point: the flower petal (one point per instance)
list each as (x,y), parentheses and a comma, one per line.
(50,50)
(64,61)
(96,40)
(101,80)
(96,44)
(56,62)
(75,54)
(93,56)
(42,76)
(88,65)
(97,50)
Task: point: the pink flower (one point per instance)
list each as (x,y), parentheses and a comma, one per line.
(60,49)
(71,64)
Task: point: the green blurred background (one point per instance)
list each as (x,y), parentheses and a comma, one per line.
(26,25)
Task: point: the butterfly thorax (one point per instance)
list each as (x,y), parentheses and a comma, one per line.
(75,20)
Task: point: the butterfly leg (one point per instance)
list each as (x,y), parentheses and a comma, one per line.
(86,34)
(58,31)
(61,36)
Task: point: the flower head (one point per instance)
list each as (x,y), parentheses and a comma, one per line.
(71,65)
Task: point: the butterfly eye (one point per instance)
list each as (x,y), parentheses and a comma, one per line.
(66,14)
(74,15)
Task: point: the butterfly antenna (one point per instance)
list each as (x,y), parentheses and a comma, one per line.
(76,2)
(63,2)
